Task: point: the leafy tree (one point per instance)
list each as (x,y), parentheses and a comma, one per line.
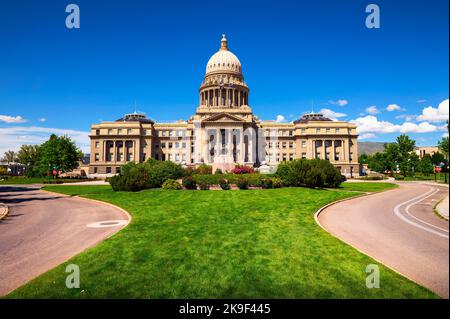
(406,157)
(10,156)
(437,158)
(364,159)
(391,157)
(426,165)
(59,153)
(443,146)
(377,162)
(27,155)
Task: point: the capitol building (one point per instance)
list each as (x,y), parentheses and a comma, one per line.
(223,131)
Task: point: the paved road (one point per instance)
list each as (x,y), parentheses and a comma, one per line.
(44,229)
(400,229)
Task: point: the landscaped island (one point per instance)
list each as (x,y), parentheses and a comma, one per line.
(226,244)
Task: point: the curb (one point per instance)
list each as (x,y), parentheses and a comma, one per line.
(437,211)
(4,211)
(316,218)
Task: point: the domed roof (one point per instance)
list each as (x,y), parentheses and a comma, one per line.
(223,60)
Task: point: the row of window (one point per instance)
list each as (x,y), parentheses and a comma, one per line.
(327,130)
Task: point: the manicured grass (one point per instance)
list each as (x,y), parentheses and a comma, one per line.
(33,180)
(220,244)
(367,186)
(440,178)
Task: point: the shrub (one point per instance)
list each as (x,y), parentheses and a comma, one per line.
(204,169)
(218,172)
(309,173)
(171,184)
(266,183)
(151,174)
(277,182)
(224,184)
(203,186)
(242,183)
(399,178)
(242,169)
(189,183)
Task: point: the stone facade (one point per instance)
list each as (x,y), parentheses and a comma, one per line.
(223,132)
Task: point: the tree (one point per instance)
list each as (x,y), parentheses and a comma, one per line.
(391,157)
(443,146)
(437,158)
(364,159)
(27,155)
(406,155)
(58,153)
(426,165)
(10,156)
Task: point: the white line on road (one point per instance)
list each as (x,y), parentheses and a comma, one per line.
(417,199)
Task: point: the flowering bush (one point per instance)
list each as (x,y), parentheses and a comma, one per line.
(242,183)
(189,183)
(224,184)
(242,169)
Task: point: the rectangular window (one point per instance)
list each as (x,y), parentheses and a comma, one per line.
(303,143)
(143,156)
(328,130)
(118,170)
(163,157)
(284,157)
(110,131)
(177,144)
(291,144)
(129,131)
(303,131)
(108,170)
(284,144)
(97,144)
(303,155)
(183,145)
(95,170)
(97,132)
(317,130)
(97,157)
(170,145)
(119,131)
(163,145)
(337,130)
(291,133)
(291,157)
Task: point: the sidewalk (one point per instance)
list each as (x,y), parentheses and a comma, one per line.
(442,208)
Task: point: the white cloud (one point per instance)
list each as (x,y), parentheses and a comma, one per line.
(280,119)
(340,102)
(393,107)
(13,137)
(371,124)
(445,134)
(331,114)
(432,114)
(42,119)
(406,117)
(366,135)
(12,119)
(372,110)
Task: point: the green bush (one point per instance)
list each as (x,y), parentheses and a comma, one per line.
(399,178)
(242,183)
(203,186)
(204,169)
(171,184)
(189,183)
(266,183)
(151,174)
(310,173)
(218,172)
(277,182)
(224,184)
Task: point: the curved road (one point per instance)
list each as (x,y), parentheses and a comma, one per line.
(44,229)
(399,229)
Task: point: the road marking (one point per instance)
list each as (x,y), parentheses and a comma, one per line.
(108,223)
(420,220)
(417,199)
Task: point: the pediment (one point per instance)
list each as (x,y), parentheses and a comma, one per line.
(224,117)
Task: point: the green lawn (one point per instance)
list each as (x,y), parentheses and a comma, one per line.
(221,244)
(367,186)
(33,180)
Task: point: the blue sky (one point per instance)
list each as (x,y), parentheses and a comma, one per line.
(53,79)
